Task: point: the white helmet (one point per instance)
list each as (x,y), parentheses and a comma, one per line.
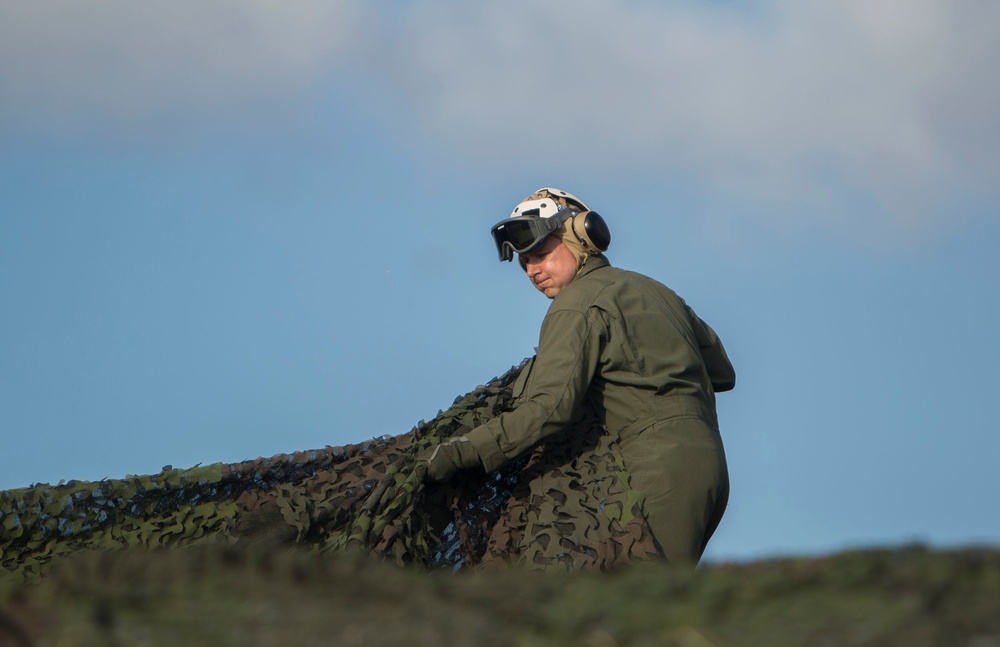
(547,202)
(543,213)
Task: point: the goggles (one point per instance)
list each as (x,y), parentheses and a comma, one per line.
(523,233)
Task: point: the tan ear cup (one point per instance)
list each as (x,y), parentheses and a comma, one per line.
(590,229)
(576,226)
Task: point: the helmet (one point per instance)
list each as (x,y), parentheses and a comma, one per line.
(544,212)
(544,202)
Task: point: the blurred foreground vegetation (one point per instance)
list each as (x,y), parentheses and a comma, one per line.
(227,595)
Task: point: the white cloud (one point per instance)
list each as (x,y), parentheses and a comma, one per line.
(785,102)
(783,106)
(66,62)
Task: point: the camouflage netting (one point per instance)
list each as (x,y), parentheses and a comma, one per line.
(567,505)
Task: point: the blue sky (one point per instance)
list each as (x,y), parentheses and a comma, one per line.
(229,230)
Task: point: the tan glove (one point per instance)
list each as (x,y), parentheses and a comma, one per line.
(450,456)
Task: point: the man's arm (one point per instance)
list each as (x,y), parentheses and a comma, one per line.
(720,369)
(569,348)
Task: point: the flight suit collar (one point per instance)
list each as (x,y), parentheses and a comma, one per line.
(593,263)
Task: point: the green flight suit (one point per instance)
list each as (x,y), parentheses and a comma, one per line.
(633,350)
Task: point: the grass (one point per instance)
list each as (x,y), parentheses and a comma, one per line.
(219,595)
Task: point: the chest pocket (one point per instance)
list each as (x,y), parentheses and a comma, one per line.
(520,387)
(622,352)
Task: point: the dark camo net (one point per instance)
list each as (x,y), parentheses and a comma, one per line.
(567,505)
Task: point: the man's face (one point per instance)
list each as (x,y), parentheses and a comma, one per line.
(550,266)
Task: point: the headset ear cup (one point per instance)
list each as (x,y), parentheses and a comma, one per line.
(595,233)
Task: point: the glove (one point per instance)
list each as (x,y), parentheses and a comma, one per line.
(450,456)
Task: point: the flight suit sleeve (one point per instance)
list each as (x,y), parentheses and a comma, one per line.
(569,349)
(720,369)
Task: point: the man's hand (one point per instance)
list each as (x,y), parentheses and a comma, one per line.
(450,456)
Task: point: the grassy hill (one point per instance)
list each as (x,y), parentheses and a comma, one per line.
(219,595)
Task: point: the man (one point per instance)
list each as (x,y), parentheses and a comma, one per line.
(630,348)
